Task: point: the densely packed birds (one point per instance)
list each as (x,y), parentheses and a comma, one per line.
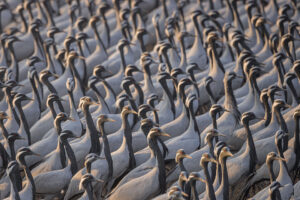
(149,99)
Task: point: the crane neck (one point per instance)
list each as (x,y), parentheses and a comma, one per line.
(50,87)
(183,60)
(11,144)
(140,93)
(147,75)
(107,29)
(104,107)
(52,110)
(29,176)
(14,62)
(218,177)
(38,44)
(210,94)
(157,34)
(146,129)
(62,153)
(71,156)
(194,192)
(193,122)
(49,62)
(109,89)
(91,131)
(123,61)
(297,142)
(216,59)
(250,148)
(271,171)
(4,51)
(4,155)
(168,94)
(142,42)
(293,90)
(230,101)
(128,137)
(181,184)
(167,61)
(72,103)
(99,40)
(106,150)
(209,186)
(225,182)
(89,192)
(229,11)
(24,22)
(60,106)
(3,129)
(197,30)
(165,9)
(76,76)
(259,36)
(276,115)
(36,95)
(275,195)
(14,194)
(23,122)
(11,108)
(253,82)
(268,115)
(181,165)
(160,164)
(49,13)
(236,16)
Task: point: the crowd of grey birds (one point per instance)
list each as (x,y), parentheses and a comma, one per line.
(150,99)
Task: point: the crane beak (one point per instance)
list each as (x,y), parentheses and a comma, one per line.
(110,120)
(21,138)
(155,124)
(200,179)
(6,117)
(184,194)
(55,75)
(133,112)
(220,134)
(229,154)
(29,99)
(279,158)
(94,103)
(61,99)
(213,160)
(164,134)
(187,156)
(287,106)
(225,110)
(71,119)
(36,154)
(98,180)
(81,57)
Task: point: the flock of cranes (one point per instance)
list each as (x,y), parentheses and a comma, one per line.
(150,99)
